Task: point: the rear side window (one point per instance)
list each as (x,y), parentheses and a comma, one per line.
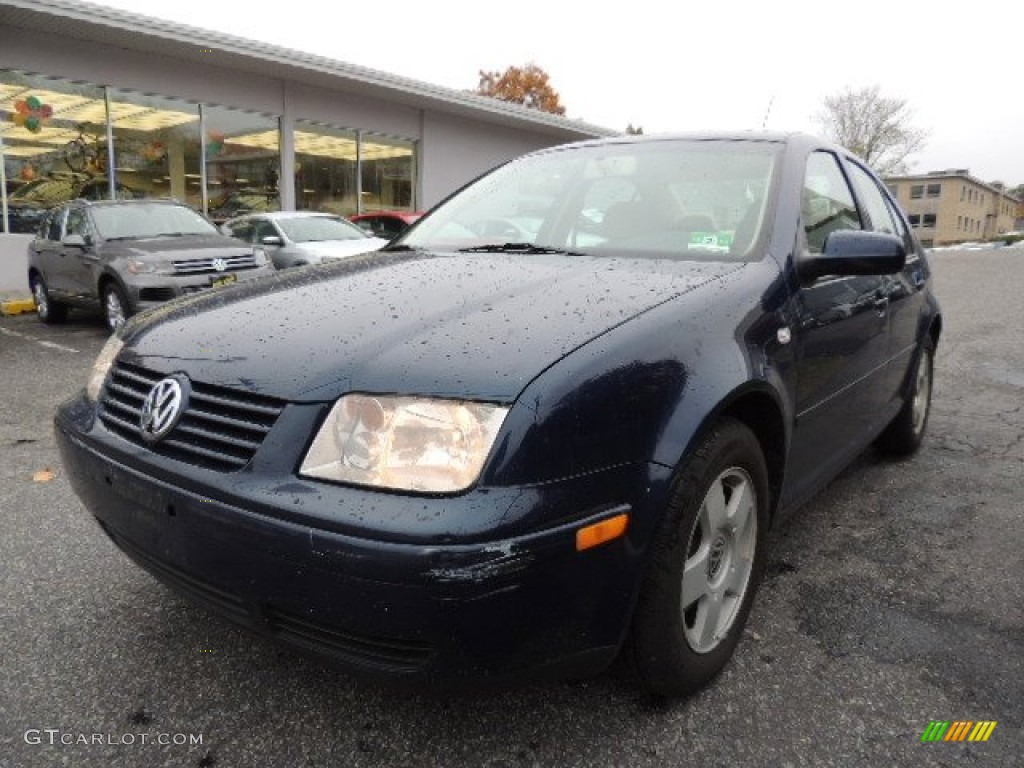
(827,203)
(871,196)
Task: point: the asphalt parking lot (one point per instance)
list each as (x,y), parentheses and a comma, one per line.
(894,598)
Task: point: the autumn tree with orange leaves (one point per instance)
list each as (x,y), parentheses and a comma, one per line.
(529,86)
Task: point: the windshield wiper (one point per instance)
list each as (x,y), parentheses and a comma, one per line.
(403,248)
(527,248)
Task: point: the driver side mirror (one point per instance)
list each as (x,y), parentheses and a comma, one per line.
(854,252)
(271,240)
(75,241)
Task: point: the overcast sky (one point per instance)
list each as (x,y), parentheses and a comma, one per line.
(718,64)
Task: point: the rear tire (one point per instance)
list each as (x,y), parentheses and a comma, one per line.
(904,435)
(47,310)
(704,566)
(115,306)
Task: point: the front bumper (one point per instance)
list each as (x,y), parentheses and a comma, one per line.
(149,290)
(520,607)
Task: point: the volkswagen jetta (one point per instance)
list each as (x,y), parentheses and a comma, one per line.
(473,458)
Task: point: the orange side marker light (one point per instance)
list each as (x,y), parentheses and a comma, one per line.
(599,533)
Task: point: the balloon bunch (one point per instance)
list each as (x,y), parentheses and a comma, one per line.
(214,144)
(31,113)
(154,152)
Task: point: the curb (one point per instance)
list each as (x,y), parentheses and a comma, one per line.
(17,306)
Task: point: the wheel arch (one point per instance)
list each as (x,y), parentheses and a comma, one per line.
(758,407)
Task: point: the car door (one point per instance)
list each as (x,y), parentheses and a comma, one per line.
(903,289)
(49,254)
(79,263)
(840,328)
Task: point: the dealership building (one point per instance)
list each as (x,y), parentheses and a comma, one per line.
(101,103)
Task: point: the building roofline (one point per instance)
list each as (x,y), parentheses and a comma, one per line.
(91,20)
(952,174)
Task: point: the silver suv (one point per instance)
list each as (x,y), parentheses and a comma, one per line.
(126,256)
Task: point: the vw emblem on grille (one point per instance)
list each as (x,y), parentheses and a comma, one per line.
(162,408)
(220,265)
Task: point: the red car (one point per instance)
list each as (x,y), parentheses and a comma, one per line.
(386,224)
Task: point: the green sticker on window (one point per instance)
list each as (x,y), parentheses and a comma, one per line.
(710,241)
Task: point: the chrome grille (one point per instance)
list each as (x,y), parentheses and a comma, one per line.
(221,429)
(205,266)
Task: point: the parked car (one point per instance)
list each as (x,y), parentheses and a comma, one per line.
(469,459)
(27,205)
(298,238)
(386,224)
(127,256)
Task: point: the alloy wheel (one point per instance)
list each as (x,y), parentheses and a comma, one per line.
(719,559)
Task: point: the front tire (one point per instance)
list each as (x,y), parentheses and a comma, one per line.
(904,435)
(704,566)
(47,310)
(116,308)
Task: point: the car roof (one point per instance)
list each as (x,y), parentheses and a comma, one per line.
(284,215)
(142,201)
(795,138)
(390,214)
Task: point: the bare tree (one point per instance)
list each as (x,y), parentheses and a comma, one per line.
(873,126)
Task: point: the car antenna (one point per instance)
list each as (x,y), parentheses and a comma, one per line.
(768,111)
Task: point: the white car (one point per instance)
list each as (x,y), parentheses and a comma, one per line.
(298,238)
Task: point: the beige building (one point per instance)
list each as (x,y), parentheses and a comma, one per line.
(946,207)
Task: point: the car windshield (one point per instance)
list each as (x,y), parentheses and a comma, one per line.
(311,229)
(142,220)
(670,198)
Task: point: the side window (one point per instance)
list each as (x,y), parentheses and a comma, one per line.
(263,229)
(901,229)
(389,228)
(78,224)
(827,203)
(242,230)
(871,196)
(56,225)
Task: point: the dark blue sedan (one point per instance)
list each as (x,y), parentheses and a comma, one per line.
(547,426)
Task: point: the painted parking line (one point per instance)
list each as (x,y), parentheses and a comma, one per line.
(40,342)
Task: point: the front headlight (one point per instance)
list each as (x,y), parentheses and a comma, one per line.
(404,443)
(102,366)
(259,256)
(142,266)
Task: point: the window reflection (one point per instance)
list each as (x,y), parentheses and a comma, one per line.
(54,145)
(243,161)
(388,173)
(156,147)
(325,169)
(220,160)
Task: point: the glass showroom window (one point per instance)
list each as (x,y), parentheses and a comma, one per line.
(325,169)
(53,145)
(388,173)
(243,162)
(156,147)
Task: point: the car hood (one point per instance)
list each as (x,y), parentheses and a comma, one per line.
(449,325)
(176,248)
(339,248)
